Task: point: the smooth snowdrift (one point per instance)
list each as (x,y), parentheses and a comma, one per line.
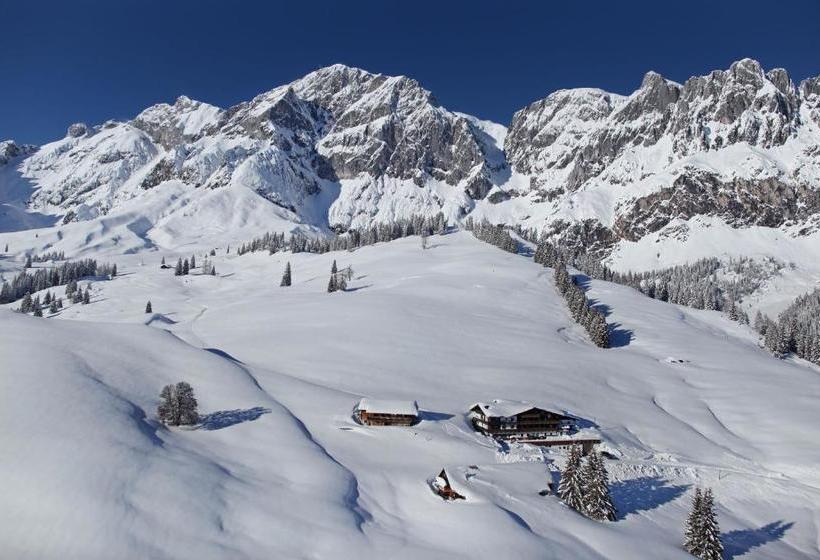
(280,469)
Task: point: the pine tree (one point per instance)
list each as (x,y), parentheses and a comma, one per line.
(28,262)
(597,502)
(59,303)
(213,252)
(286,276)
(570,489)
(87,295)
(148,308)
(334,269)
(26,306)
(38,311)
(163,261)
(213,270)
(47,298)
(693,522)
(178,269)
(114,270)
(178,405)
(187,404)
(331,285)
(707,545)
(53,307)
(193,262)
(186,268)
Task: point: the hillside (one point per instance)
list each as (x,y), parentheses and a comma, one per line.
(279,468)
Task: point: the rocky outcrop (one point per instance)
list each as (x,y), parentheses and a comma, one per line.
(740,202)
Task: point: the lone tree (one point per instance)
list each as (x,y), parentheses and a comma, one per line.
(177,405)
(334,269)
(702,530)
(148,307)
(570,489)
(163,261)
(597,501)
(331,285)
(286,276)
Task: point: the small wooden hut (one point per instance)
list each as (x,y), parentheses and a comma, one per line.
(374,412)
(441,486)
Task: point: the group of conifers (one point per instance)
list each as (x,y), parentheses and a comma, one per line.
(584,487)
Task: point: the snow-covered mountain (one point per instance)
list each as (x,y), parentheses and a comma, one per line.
(725,164)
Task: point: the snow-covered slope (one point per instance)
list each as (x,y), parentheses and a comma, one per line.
(280,469)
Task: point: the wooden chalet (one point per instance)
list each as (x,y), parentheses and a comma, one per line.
(524,423)
(373,412)
(518,420)
(441,486)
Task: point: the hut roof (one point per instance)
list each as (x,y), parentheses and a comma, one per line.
(403,408)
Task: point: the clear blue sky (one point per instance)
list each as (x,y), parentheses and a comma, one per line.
(76,60)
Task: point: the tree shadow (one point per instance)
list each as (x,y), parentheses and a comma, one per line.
(738,543)
(357,288)
(227,418)
(644,494)
(618,336)
(429,416)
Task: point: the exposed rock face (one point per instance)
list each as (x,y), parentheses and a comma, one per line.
(10,150)
(583,131)
(739,202)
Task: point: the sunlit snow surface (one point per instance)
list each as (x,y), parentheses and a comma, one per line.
(280,470)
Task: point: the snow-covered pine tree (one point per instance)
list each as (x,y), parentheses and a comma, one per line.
(28,262)
(114,270)
(186,267)
(47,298)
(38,311)
(178,269)
(331,285)
(213,252)
(193,262)
(693,522)
(163,261)
(705,542)
(53,307)
(597,503)
(59,303)
(87,295)
(148,308)
(334,269)
(570,489)
(286,276)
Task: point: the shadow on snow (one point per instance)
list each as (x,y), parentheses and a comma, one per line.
(227,418)
(644,494)
(737,543)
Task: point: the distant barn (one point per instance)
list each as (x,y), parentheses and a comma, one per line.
(375,412)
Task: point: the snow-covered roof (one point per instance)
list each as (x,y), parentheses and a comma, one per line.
(501,407)
(408,408)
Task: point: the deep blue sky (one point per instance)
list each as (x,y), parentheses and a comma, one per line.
(76,60)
